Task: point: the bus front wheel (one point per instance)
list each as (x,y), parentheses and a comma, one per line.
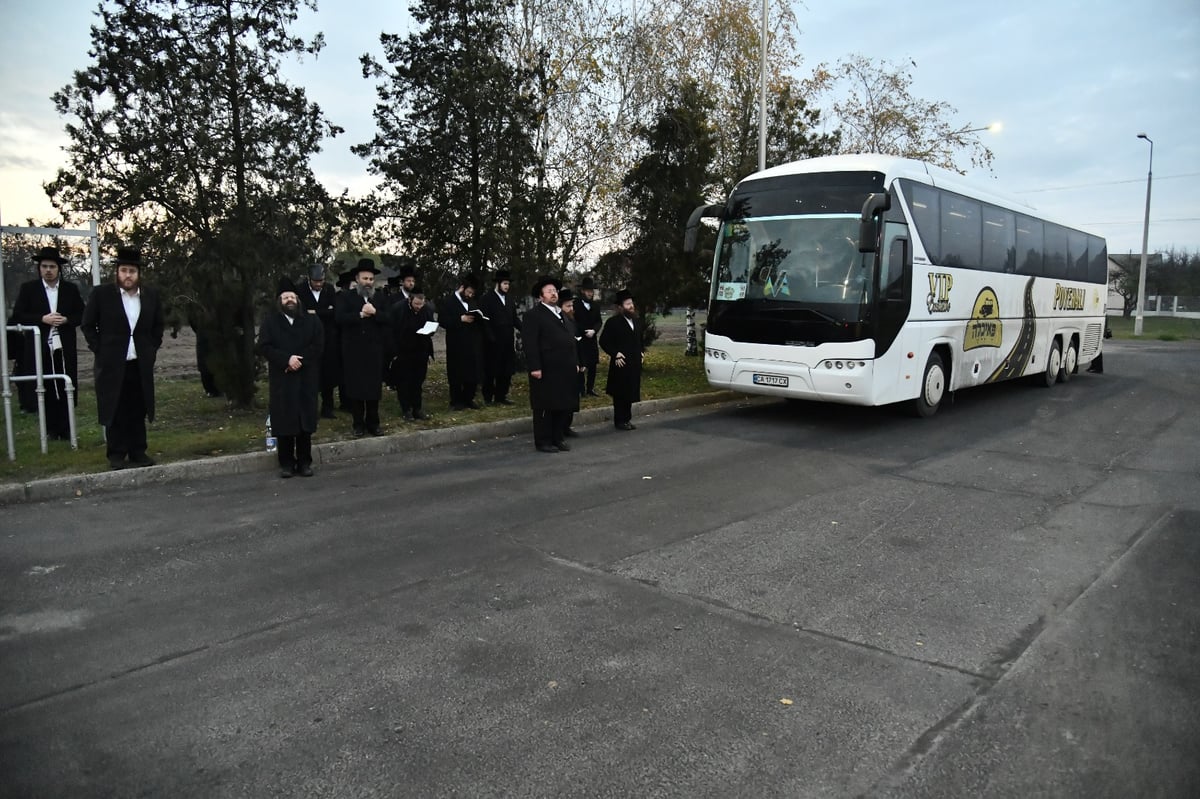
(933,388)
(1054,365)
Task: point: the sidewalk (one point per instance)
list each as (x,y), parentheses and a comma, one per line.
(73,486)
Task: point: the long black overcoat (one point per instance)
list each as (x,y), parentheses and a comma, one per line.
(324,307)
(413,350)
(588,319)
(498,348)
(550,347)
(30,307)
(363,341)
(464,341)
(624,382)
(293,395)
(106,329)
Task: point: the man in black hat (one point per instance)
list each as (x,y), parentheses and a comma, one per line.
(56,307)
(566,304)
(291,341)
(318,299)
(499,353)
(587,321)
(553,367)
(621,340)
(462,320)
(123,325)
(408,282)
(414,351)
(362,328)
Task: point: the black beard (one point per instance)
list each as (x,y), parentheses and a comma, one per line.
(292,310)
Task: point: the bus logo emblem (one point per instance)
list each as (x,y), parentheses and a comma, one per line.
(984,328)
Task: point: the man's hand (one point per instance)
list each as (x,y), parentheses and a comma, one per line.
(295,362)
(53,319)
(536,374)
(468,318)
(368,309)
(620,359)
(589,333)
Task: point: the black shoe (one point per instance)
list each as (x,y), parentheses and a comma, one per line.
(562,446)
(357,431)
(505,401)
(375,431)
(212,394)
(116,464)
(304,470)
(454,406)
(420,416)
(571,433)
(141,461)
(328,413)
(408,416)
(547,448)
(285,472)
(625,426)
(488,401)
(473,405)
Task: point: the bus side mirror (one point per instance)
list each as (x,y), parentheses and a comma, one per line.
(868,231)
(692,232)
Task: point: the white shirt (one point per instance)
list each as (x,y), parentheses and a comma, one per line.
(52,299)
(464,302)
(501,296)
(557,311)
(133,310)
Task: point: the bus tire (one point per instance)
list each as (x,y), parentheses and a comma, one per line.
(932,389)
(1070,362)
(1053,365)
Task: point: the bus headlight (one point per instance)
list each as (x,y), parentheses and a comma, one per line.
(716,355)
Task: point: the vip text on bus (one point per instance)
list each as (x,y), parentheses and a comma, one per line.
(870,280)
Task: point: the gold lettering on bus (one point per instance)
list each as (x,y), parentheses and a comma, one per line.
(1069,299)
(938,299)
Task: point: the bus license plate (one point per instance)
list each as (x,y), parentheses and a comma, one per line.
(770,380)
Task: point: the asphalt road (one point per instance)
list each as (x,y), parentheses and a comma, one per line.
(758,600)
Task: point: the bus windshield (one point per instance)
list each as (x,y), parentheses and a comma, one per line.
(798,260)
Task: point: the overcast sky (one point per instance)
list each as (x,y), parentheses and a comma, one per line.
(1072,83)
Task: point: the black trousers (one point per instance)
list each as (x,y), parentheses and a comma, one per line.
(57,421)
(203,348)
(410,379)
(365,413)
(462,393)
(295,451)
(550,427)
(591,378)
(127,433)
(622,411)
(496,385)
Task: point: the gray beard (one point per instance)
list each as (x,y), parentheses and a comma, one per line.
(366,292)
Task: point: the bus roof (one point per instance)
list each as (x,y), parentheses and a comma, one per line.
(893,167)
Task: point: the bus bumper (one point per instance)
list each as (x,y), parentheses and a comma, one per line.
(827,380)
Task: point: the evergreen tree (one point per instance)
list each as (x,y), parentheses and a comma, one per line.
(454,143)
(184,135)
(663,188)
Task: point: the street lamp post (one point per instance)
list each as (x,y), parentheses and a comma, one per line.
(1141,301)
(762,92)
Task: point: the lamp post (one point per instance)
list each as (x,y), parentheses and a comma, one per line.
(762,92)
(1141,301)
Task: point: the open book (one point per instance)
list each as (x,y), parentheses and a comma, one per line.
(479,313)
(428,330)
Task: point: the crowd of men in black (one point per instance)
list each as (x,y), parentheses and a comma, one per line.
(355,341)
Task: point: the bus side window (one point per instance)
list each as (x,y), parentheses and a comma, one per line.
(892,277)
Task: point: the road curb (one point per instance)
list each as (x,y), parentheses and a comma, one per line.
(79,485)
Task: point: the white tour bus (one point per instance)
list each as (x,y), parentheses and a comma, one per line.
(869,280)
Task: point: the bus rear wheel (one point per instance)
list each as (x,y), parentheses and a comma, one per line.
(933,388)
(1054,364)
(1070,361)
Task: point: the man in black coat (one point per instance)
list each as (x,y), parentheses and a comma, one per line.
(553,367)
(292,341)
(499,353)
(56,307)
(621,340)
(363,329)
(123,325)
(318,299)
(465,330)
(587,322)
(414,351)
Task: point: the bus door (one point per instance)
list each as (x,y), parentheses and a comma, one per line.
(894,291)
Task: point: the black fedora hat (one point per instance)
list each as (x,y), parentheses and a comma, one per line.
(129,256)
(565,295)
(587,283)
(542,282)
(364,265)
(285,285)
(622,295)
(49,254)
(316,272)
(502,275)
